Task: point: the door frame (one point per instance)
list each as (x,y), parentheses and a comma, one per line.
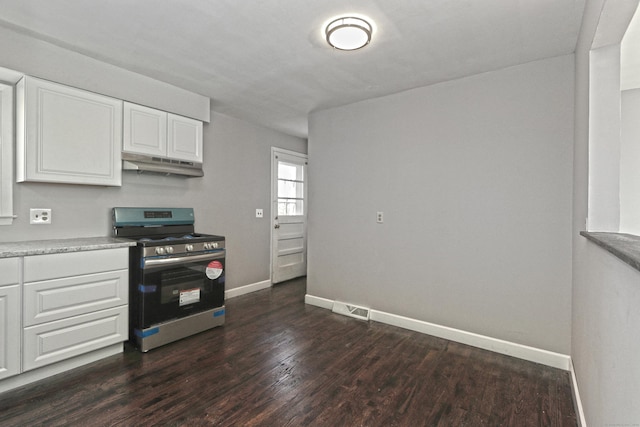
(273,210)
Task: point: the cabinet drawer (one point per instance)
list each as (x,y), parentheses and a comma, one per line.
(54,266)
(71,296)
(55,341)
(9,271)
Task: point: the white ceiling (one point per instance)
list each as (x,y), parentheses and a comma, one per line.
(267,61)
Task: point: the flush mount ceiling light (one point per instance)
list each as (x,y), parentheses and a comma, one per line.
(348,33)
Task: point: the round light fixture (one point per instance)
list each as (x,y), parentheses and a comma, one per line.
(348,33)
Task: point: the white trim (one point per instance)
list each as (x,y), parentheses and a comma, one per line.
(582,422)
(496,345)
(7,141)
(10,76)
(273,205)
(289,152)
(253,287)
(532,354)
(318,302)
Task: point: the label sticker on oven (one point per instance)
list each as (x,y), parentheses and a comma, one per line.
(214,270)
(189,296)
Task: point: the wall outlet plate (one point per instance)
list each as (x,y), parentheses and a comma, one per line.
(39,216)
(259,213)
(380,217)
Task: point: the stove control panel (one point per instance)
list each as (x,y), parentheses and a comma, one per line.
(210,245)
(161,250)
(182,248)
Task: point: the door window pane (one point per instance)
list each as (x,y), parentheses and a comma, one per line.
(290,189)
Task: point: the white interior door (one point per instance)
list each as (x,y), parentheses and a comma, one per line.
(289,215)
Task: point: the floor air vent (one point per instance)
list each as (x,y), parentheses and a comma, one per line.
(351,310)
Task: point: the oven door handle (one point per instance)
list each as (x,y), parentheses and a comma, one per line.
(162,262)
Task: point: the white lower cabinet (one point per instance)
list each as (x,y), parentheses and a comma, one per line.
(9,318)
(73,303)
(56,341)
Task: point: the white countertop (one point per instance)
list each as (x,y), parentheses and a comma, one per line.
(41,247)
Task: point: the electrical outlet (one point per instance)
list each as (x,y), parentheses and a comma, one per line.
(380,217)
(259,213)
(39,216)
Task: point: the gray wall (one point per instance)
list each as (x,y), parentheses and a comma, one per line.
(236,182)
(629,161)
(606,292)
(237,166)
(605,346)
(475,180)
(48,61)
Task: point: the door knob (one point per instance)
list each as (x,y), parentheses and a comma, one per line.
(276,226)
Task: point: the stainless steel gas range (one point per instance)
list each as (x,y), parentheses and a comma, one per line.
(176,275)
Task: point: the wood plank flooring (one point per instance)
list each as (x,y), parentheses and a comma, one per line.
(279,362)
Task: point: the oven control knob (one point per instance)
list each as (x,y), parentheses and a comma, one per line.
(169,249)
(188,248)
(206,246)
(214,245)
(160,251)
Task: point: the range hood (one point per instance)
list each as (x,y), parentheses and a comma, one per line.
(162,165)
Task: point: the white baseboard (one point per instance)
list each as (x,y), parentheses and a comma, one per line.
(532,354)
(253,287)
(318,302)
(582,422)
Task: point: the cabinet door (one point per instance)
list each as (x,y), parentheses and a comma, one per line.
(67,135)
(145,130)
(9,331)
(184,138)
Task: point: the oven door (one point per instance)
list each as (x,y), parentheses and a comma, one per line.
(172,287)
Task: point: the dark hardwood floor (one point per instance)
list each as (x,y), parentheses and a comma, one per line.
(279,362)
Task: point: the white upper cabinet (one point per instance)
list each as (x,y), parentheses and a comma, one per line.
(184,138)
(158,133)
(145,130)
(67,135)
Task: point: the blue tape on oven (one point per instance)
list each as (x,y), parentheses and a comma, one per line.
(147,333)
(147,289)
(218,313)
